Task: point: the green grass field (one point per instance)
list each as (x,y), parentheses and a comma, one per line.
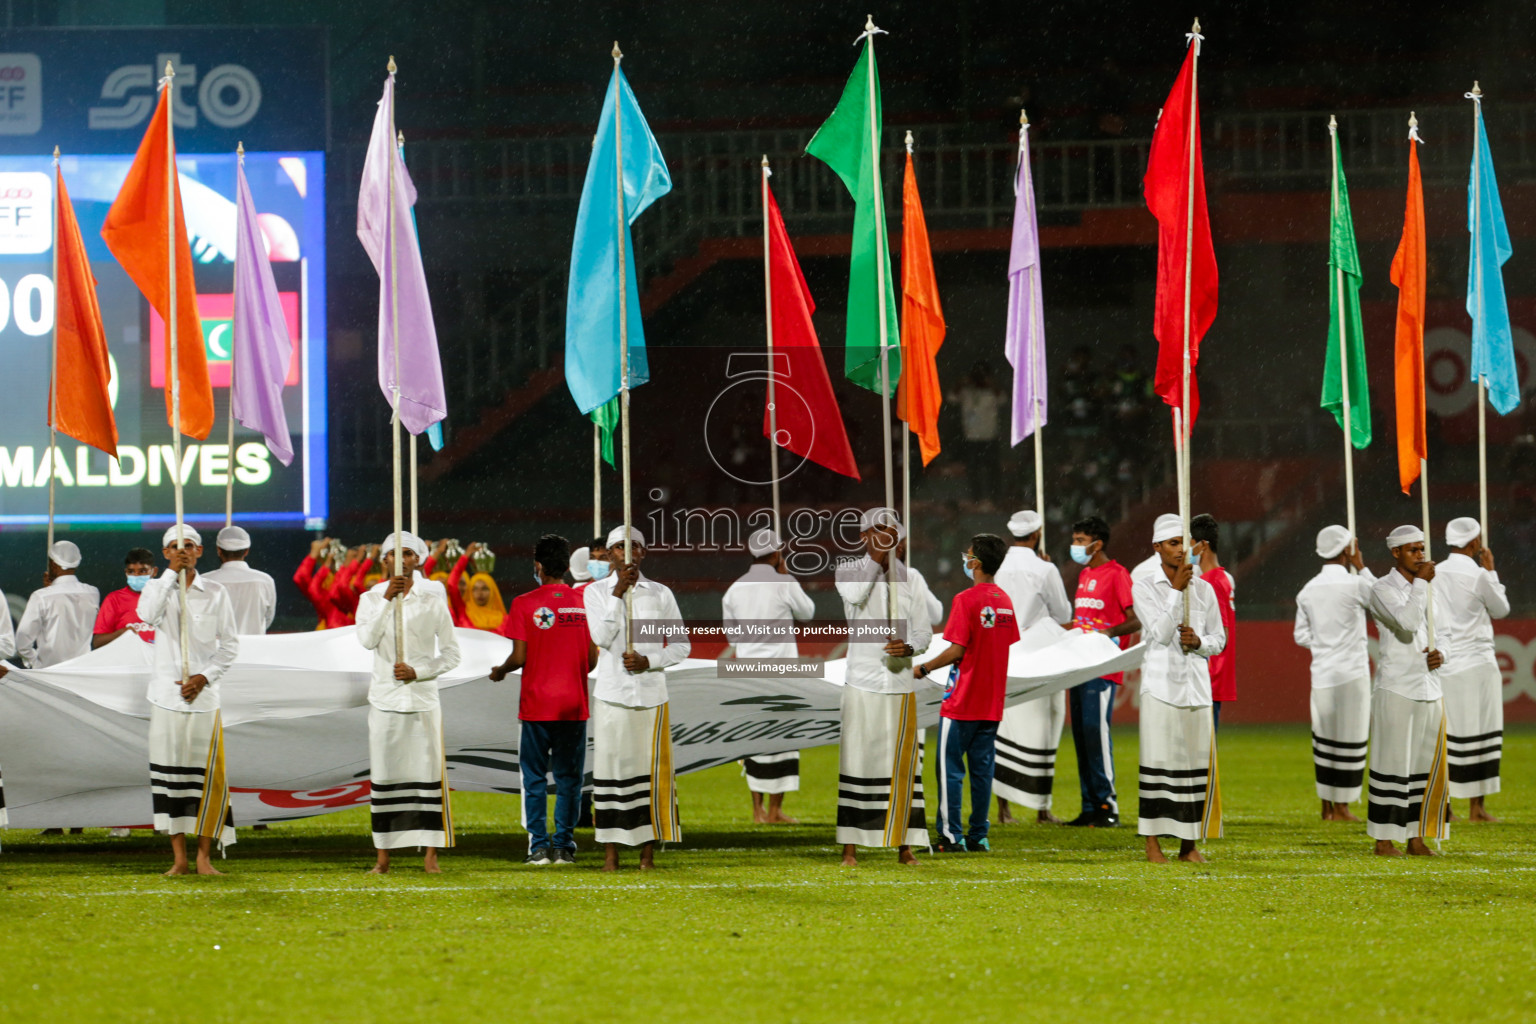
(1292,919)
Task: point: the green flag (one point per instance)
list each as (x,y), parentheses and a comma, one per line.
(844,144)
(1344,266)
(606,416)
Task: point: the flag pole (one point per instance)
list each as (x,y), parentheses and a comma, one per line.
(229,444)
(1429,605)
(53,369)
(415,468)
(171,324)
(906,434)
(1338,284)
(885,352)
(773,409)
(619,224)
(597,479)
(1182,450)
(1037,369)
(394,418)
(1476,96)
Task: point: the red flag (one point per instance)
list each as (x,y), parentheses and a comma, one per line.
(1167,187)
(809,420)
(922,325)
(81,408)
(135,231)
(1408,273)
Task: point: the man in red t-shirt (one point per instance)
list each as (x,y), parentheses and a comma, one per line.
(119,611)
(550,643)
(980,630)
(1103,605)
(1204,535)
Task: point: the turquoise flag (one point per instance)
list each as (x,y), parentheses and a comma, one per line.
(1493,343)
(592,298)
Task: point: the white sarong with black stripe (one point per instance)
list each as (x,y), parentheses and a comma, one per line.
(410,803)
(1027,739)
(1408,791)
(880,771)
(1180,786)
(772,773)
(189,791)
(1474,728)
(634,790)
(1341,730)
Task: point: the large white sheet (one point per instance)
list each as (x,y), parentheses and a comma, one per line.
(73,738)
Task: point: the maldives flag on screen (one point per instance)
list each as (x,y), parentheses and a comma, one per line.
(1174,166)
(809,422)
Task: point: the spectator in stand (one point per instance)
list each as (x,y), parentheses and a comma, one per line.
(120,609)
(981,404)
(484,608)
(346,585)
(454,585)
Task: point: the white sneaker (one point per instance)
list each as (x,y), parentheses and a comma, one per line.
(120,833)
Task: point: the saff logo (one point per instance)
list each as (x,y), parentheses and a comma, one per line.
(988,617)
(544,618)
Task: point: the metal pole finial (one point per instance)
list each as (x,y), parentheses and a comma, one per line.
(390,67)
(909,140)
(1477,91)
(1196,29)
(170,72)
(55,154)
(869,23)
(240,149)
(399,138)
(618,54)
(765,159)
(1413,119)
(1023,117)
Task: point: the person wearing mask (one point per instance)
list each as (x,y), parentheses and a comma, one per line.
(251,591)
(57,624)
(119,612)
(1205,538)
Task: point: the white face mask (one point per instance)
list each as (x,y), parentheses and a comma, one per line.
(1080,554)
(598,569)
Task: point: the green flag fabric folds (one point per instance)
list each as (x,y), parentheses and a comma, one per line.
(1344,287)
(606,416)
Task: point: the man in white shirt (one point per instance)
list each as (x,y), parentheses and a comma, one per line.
(1029,734)
(1467,600)
(1331,614)
(410,803)
(7,650)
(188,785)
(880,783)
(1409,787)
(1180,786)
(251,591)
(768,598)
(639,632)
(59,618)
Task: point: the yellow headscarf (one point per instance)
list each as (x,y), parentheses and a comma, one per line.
(490,614)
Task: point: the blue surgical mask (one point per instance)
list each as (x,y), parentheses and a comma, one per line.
(1080,554)
(137,583)
(965,563)
(597,569)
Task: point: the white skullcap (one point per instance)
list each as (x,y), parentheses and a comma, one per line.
(763,542)
(1022,524)
(1405,535)
(882,516)
(616,536)
(193,537)
(1167,527)
(65,554)
(409,541)
(579,559)
(1460,532)
(233,538)
(1331,541)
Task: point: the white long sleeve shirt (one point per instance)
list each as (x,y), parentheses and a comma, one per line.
(1331,613)
(1398,605)
(58,622)
(1467,600)
(7,634)
(866,597)
(431,647)
(931,602)
(670,645)
(765,597)
(1167,673)
(212,642)
(1034,586)
(252,593)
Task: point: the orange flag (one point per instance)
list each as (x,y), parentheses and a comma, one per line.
(81,407)
(922,325)
(1408,274)
(135,231)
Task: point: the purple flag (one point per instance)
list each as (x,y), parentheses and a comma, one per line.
(262,349)
(388,231)
(1025,346)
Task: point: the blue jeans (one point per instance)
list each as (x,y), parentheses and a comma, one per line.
(963,744)
(559,748)
(1091,705)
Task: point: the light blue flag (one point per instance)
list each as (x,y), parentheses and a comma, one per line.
(592,299)
(1493,344)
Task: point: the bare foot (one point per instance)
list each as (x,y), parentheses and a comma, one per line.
(1451,815)
(1155,851)
(1328,810)
(379,869)
(1004,815)
(1047,818)
(904,855)
(1191,854)
(611,857)
(204,868)
(1417,848)
(780,818)
(850,856)
(429,862)
(1341,813)
(1384,848)
(648,857)
(759,816)
(1478,812)
(177,869)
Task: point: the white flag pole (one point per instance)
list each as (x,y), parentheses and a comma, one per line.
(773,408)
(1036,345)
(1189,250)
(1476,96)
(597,479)
(618,158)
(415,469)
(394,419)
(234,330)
(175,369)
(53,369)
(1338,284)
